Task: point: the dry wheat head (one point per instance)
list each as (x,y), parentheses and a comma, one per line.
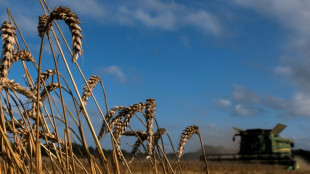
(104,128)
(186,135)
(48,89)
(149,114)
(72,20)
(108,117)
(44,25)
(7,31)
(88,88)
(158,134)
(142,137)
(45,75)
(11,85)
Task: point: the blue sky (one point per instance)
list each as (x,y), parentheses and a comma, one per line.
(215,64)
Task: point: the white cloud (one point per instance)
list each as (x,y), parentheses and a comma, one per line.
(204,20)
(222,103)
(161,15)
(162,21)
(283,70)
(244,110)
(158,14)
(114,71)
(165,15)
(249,103)
(301,103)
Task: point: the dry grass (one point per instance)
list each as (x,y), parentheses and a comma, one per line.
(196,167)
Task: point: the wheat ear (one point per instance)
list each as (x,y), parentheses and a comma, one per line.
(11,85)
(121,114)
(135,133)
(121,126)
(45,75)
(150,108)
(44,25)
(108,117)
(158,134)
(142,137)
(7,31)
(89,87)
(71,19)
(186,135)
(48,89)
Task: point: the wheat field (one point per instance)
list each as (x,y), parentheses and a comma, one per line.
(39,127)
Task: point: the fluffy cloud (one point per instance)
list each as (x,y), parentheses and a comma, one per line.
(114,71)
(165,15)
(222,103)
(245,102)
(155,14)
(301,103)
(245,110)
(203,20)
(297,70)
(283,70)
(248,103)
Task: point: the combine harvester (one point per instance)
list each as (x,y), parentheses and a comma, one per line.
(262,145)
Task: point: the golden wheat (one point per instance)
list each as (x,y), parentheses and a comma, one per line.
(89,87)
(186,135)
(41,121)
